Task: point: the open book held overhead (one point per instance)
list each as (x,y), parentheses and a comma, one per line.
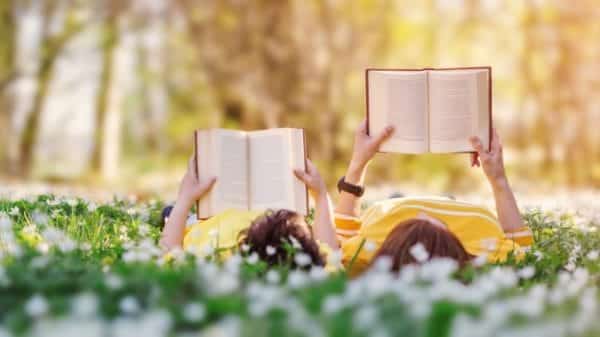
(432,110)
(254,170)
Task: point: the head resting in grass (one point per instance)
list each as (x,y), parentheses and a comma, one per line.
(431,233)
(273,233)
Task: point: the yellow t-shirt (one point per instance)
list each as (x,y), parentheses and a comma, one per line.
(476,227)
(218,232)
(222,232)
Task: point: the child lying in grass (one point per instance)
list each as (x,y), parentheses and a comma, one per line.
(392,228)
(443,227)
(265,233)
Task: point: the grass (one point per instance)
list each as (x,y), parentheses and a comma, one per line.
(68,264)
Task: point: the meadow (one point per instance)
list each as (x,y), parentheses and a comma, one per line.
(71,267)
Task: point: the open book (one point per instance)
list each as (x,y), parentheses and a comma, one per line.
(254,170)
(432,110)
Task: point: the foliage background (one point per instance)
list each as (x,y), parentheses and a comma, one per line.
(107,93)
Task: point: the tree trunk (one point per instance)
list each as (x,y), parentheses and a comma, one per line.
(7,47)
(108,51)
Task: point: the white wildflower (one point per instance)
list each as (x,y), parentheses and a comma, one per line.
(538,255)
(593,255)
(5,222)
(194,312)
(40,218)
(365,317)
(318,273)
(302,259)
(245,248)
(295,243)
(39,262)
(334,259)
(191,220)
(14,211)
(114,282)
(490,244)
(253,258)
(271,250)
(383,264)
(332,304)
(296,279)
(36,306)
(419,252)
(273,276)
(370,246)
(129,305)
(526,272)
(570,266)
(480,260)
(144,229)
(208,250)
(85,305)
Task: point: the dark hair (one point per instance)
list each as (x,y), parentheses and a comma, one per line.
(438,241)
(164,215)
(275,228)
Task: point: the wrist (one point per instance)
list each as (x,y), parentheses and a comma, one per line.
(185,200)
(499,182)
(355,173)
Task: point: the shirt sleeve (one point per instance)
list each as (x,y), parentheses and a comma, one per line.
(346,226)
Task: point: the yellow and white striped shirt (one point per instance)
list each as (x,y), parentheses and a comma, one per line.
(476,227)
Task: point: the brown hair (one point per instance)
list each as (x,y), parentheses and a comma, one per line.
(438,241)
(275,229)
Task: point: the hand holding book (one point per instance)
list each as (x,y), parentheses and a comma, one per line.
(191,189)
(491,161)
(313,180)
(432,110)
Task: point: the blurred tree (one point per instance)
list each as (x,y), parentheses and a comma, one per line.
(112,11)
(52,46)
(7,73)
(285,63)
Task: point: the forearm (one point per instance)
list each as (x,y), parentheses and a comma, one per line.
(324,228)
(509,215)
(349,204)
(172,235)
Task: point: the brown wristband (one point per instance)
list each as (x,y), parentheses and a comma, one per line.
(355,190)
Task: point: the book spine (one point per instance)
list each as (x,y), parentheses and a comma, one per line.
(367,96)
(196,173)
(305,148)
(490,107)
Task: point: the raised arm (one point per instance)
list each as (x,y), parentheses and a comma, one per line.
(492,163)
(190,190)
(323,227)
(365,148)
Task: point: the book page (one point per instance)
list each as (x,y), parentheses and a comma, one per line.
(205,168)
(457,110)
(399,98)
(271,176)
(298,153)
(230,159)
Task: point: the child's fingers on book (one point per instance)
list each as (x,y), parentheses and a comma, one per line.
(362,128)
(301,175)
(208,184)
(475,159)
(191,163)
(384,135)
(496,142)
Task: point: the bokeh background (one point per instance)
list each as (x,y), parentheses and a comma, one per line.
(104,95)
